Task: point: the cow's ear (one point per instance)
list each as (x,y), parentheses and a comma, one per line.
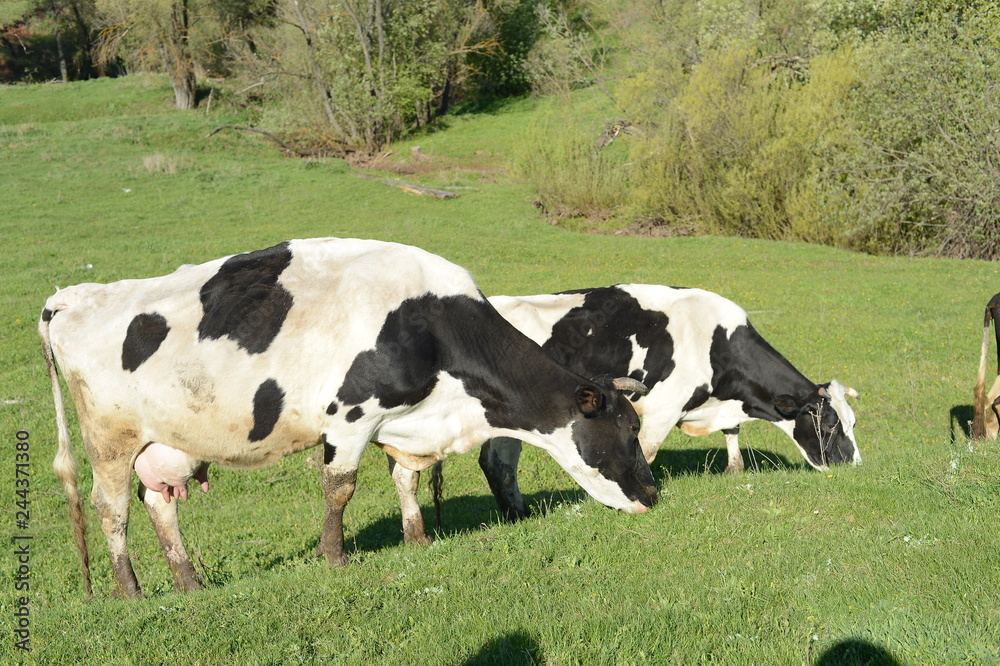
(589,400)
(788,406)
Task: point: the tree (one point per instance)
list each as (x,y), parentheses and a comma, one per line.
(360,73)
(26,28)
(177,37)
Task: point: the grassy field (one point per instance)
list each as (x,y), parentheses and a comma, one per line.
(894,561)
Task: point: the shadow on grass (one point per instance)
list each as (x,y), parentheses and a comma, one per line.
(856,652)
(466,513)
(680,462)
(459,515)
(960,421)
(516,649)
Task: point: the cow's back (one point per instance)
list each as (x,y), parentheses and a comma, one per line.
(580,327)
(234,360)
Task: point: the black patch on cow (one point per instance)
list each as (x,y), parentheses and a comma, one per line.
(355,414)
(146,332)
(329,451)
(331,409)
(698,397)
(402,367)
(268,402)
(467,338)
(244,301)
(595,338)
(47,314)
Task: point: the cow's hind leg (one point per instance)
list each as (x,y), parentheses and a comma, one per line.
(163,515)
(111,494)
(735,465)
(407,482)
(498,459)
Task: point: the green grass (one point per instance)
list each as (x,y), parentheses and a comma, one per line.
(782,566)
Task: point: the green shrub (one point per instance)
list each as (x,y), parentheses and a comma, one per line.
(924,175)
(572,177)
(733,151)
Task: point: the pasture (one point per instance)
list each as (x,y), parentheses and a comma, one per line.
(897,559)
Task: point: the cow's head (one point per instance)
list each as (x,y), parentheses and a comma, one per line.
(607,459)
(822,424)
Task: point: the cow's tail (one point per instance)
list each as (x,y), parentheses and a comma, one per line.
(437,488)
(65,465)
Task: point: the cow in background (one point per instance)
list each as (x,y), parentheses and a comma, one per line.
(986,405)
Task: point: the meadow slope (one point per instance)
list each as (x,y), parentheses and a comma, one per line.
(897,558)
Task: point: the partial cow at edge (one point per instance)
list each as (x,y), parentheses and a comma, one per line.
(249,358)
(986,406)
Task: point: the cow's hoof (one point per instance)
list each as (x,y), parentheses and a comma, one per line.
(190,585)
(418,539)
(333,559)
(336,561)
(127,595)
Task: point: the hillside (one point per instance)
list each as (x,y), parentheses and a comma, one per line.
(898,558)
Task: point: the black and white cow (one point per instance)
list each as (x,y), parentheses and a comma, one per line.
(246,359)
(706,367)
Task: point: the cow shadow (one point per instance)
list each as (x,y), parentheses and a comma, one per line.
(467,513)
(516,649)
(685,462)
(856,652)
(960,421)
(459,515)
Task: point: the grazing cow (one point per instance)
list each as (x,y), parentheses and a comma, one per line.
(986,405)
(706,367)
(246,359)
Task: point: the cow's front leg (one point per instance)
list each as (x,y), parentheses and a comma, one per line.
(735,465)
(407,483)
(498,459)
(338,488)
(163,515)
(110,495)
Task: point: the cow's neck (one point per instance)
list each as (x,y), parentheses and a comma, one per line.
(754,373)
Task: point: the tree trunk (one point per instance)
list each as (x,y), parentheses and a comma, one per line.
(184,90)
(317,73)
(182,68)
(59,45)
(85,55)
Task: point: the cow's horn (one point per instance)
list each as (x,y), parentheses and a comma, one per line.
(629,384)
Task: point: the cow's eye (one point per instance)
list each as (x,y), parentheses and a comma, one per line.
(634,428)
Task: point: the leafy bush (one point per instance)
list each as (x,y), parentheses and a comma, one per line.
(867,125)
(924,176)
